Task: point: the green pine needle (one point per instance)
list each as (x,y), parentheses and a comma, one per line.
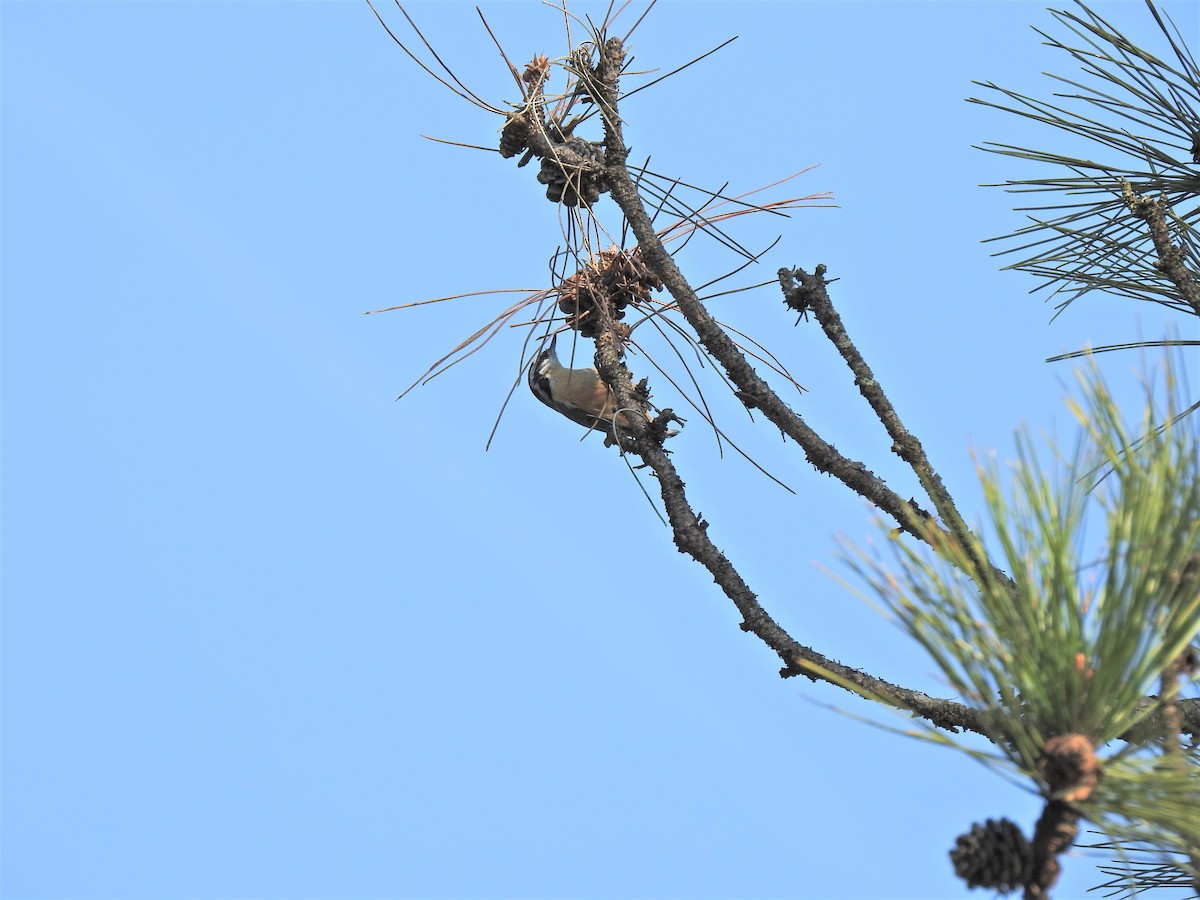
(1101,545)
(1142,114)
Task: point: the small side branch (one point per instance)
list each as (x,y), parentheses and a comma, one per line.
(805,292)
(1070,772)
(1170,257)
(1056,830)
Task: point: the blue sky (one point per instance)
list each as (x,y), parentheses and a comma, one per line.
(269,633)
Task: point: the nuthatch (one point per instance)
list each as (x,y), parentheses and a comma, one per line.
(579,394)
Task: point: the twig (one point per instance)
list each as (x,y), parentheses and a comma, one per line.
(1170,257)
(1056,830)
(802,292)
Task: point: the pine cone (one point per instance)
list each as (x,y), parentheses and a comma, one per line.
(993,855)
(514,138)
(573,186)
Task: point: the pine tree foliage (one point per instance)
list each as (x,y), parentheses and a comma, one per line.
(1069,647)
(1141,114)
(1141,868)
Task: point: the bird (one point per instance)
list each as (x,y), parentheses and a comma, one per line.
(579,394)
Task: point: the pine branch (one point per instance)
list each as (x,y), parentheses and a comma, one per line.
(1143,112)
(1171,257)
(810,295)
